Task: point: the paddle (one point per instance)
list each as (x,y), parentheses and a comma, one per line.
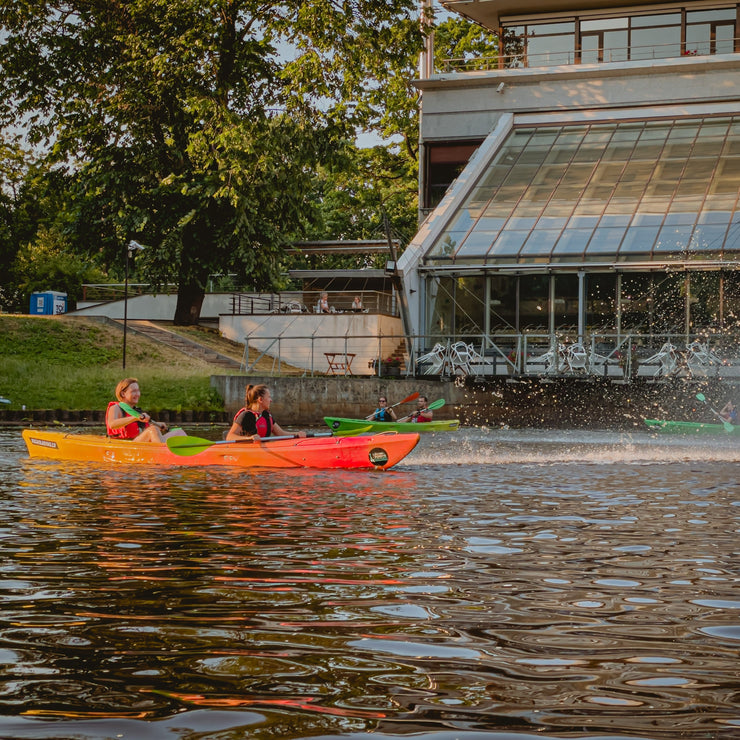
(412,397)
(727,425)
(186,446)
(432,407)
(130,410)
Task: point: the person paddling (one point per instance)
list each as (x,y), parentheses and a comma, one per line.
(383,412)
(255,420)
(124,420)
(422,413)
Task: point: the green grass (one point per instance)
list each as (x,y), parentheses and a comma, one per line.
(58,362)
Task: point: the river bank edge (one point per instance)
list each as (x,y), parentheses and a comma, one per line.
(537,403)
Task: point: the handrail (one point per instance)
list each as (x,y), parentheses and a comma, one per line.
(525,60)
(597,354)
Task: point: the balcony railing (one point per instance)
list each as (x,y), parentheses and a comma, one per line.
(307,301)
(617,358)
(605,55)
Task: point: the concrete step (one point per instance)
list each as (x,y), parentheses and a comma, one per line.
(182,344)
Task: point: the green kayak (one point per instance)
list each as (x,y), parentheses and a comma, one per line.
(690,427)
(362,425)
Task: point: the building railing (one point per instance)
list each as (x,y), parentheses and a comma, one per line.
(307,301)
(605,55)
(616,357)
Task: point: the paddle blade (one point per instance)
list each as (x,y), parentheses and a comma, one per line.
(130,410)
(185,446)
(701,397)
(436,404)
(728,427)
(408,399)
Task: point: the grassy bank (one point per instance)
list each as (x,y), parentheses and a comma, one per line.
(52,362)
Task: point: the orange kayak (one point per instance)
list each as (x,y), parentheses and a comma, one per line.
(378,451)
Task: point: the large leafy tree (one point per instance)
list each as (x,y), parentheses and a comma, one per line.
(196,126)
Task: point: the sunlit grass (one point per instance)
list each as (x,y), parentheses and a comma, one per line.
(65,363)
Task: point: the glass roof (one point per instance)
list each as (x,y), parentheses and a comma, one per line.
(633,191)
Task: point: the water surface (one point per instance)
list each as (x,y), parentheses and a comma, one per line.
(497,583)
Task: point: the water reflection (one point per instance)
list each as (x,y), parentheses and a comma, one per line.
(496,581)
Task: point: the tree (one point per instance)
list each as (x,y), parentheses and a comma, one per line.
(462,45)
(195,126)
(49,264)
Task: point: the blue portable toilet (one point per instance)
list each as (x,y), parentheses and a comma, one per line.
(48,303)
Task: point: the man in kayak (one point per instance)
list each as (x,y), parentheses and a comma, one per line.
(729,413)
(422,412)
(123,420)
(383,412)
(254,420)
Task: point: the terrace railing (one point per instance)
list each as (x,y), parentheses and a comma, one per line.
(618,358)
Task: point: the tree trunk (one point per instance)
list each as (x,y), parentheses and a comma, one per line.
(189,303)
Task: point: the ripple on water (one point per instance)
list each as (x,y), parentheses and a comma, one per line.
(529,583)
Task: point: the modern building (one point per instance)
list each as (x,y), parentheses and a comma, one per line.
(579,189)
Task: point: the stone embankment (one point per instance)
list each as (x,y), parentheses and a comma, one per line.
(96,417)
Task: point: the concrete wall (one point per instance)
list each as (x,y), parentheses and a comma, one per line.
(467,105)
(301,340)
(305,401)
(154,307)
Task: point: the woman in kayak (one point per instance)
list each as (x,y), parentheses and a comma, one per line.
(383,412)
(121,424)
(254,420)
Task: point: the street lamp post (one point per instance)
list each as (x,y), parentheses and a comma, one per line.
(130,247)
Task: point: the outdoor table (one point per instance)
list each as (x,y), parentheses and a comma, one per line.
(340,363)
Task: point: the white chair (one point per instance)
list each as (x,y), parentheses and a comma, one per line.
(666,358)
(576,358)
(433,362)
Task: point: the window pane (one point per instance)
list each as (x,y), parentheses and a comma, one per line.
(615,46)
(656,43)
(724,39)
(639,239)
(708,237)
(502,314)
(541,242)
(508,244)
(477,243)
(663,19)
(673,239)
(603,24)
(548,51)
(606,240)
(573,241)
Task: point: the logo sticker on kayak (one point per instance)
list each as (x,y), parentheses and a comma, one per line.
(378,456)
(44,443)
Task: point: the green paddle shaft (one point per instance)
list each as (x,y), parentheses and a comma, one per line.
(186,446)
(433,406)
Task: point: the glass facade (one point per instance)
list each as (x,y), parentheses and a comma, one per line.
(593,193)
(649,35)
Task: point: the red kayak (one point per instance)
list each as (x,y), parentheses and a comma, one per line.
(377,451)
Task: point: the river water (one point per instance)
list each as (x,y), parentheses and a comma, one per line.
(495,584)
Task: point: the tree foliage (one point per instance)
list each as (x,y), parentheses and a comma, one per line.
(460,44)
(196,126)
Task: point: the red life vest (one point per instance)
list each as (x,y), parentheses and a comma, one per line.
(253,423)
(130,431)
